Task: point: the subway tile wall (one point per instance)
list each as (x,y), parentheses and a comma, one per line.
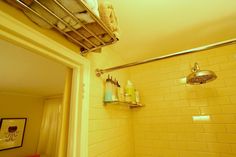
(110,126)
(182,120)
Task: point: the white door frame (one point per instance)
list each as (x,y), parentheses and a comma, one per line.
(14,31)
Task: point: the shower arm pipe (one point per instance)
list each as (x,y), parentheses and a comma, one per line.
(99,72)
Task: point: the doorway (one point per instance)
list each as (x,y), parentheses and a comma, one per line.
(37,43)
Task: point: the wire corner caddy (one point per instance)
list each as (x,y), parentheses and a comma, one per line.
(89,36)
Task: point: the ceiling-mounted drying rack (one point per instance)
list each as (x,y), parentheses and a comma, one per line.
(84,42)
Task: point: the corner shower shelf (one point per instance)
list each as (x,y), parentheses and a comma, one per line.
(131,105)
(87,41)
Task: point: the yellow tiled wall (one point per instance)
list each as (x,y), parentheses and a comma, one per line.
(165,126)
(110,126)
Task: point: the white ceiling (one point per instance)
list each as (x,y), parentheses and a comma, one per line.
(22,71)
(151,28)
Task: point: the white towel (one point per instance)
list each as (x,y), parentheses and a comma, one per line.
(84,18)
(71,5)
(93,4)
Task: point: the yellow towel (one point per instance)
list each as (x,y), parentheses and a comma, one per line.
(108,16)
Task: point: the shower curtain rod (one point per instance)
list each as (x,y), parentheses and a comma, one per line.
(99,72)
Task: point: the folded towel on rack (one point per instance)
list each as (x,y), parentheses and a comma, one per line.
(93,5)
(94,27)
(108,16)
(83,17)
(72,5)
(97,30)
(104,37)
(43,13)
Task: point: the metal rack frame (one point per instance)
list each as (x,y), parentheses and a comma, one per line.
(84,49)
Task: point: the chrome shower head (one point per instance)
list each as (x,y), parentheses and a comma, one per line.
(200,76)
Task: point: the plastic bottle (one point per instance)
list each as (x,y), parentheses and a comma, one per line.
(108,90)
(129,92)
(114,91)
(137,97)
(112,88)
(120,92)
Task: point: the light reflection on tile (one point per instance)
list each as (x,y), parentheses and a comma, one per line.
(201,118)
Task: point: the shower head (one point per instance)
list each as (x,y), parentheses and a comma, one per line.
(200,76)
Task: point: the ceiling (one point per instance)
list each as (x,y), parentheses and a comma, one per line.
(22,71)
(150,28)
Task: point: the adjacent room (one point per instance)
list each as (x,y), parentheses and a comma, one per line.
(31,94)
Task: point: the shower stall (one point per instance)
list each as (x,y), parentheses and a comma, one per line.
(185,115)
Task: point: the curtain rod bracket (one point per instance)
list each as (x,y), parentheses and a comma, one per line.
(99,72)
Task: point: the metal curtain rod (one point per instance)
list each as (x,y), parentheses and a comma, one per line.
(99,72)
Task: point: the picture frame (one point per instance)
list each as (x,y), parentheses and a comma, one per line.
(12,132)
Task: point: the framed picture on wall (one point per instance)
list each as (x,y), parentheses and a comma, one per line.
(12,132)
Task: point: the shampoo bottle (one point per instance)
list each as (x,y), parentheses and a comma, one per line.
(129,92)
(120,92)
(108,90)
(114,93)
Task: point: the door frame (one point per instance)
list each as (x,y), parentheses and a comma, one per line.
(20,34)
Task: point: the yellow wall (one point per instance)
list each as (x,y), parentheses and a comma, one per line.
(17,106)
(165,128)
(110,126)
